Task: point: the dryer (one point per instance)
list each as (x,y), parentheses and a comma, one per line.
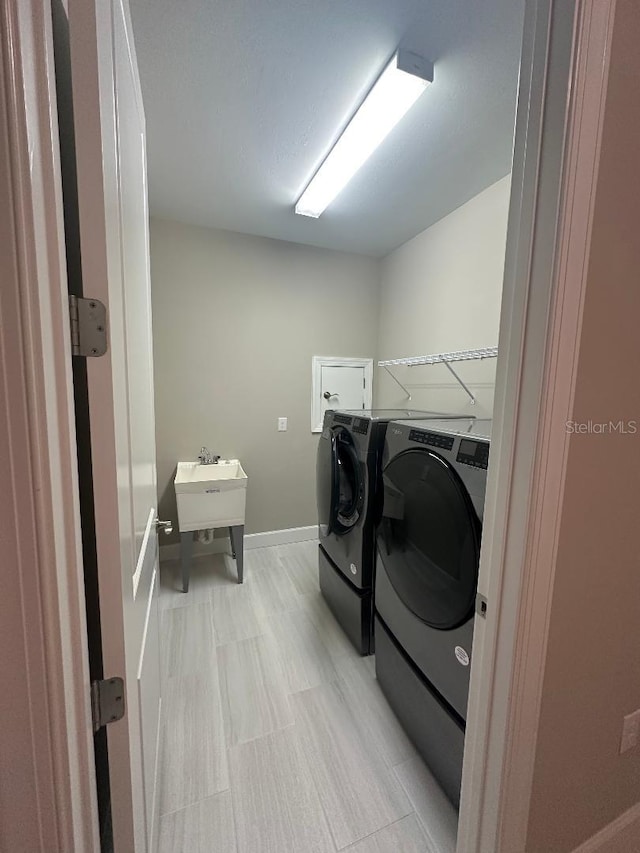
(434,480)
(349,505)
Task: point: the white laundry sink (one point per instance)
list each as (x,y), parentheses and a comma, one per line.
(210,495)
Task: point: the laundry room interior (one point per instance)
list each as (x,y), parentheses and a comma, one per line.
(299,712)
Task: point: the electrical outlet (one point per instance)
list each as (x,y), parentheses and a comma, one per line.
(630,731)
(282,424)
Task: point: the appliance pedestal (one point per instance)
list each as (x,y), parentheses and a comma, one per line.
(437,734)
(353,608)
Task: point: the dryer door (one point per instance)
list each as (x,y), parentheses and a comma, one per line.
(429,538)
(340,484)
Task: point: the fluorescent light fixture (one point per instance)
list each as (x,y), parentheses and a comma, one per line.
(395,91)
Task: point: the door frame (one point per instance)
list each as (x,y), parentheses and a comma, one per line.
(42,511)
(320,361)
(562,89)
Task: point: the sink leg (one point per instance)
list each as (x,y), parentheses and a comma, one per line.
(236,534)
(186,547)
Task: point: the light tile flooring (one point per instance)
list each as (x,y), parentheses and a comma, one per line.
(276,737)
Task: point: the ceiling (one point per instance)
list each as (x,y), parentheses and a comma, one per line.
(244,98)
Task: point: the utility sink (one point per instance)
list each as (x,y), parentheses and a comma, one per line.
(210,495)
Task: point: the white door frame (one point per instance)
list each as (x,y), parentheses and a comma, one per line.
(320,361)
(40,518)
(540,321)
(558,131)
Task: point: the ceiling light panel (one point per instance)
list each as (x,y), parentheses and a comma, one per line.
(395,91)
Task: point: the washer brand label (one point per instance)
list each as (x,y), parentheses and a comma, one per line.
(462,655)
(354,569)
(211,491)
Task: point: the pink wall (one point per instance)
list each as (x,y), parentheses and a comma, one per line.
(592,675)
(27,798)
(47,800)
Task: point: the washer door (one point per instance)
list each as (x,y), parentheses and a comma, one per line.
(340,485)
(429,538)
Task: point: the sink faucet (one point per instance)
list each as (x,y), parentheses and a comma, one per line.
(206,457)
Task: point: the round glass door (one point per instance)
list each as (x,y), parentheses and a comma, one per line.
(429,538)
(325,478)
(350,487)
(340,487)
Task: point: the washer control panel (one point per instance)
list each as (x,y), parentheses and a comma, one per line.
(361,425)
(433,439)
(473,453)
(343,419)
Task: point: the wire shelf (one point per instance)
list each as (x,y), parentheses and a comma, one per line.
(458,355)
(445,358)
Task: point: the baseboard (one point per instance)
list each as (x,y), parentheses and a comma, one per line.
(281,537)
(622,835)
(251,540)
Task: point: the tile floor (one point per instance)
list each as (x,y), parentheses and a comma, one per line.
(276,737)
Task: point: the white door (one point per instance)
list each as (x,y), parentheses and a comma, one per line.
(112,196)
(342,388)
(340,383)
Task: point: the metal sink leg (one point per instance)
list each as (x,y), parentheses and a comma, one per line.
(236,534)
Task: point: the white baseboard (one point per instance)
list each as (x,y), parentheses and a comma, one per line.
(251,540)
(623,833)
(281,537)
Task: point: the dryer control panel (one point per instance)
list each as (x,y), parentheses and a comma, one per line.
(433,439)
(474,453)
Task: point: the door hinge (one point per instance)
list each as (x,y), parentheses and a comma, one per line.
(107,701)
(481,605)
(88,326)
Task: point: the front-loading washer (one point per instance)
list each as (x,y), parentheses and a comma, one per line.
(348,478)
(428,542)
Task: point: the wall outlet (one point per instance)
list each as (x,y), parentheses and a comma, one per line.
(630,731)
(282,424)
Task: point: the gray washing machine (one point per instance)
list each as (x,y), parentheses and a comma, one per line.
(434,480)
(348,482)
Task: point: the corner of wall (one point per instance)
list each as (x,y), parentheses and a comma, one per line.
(441,291)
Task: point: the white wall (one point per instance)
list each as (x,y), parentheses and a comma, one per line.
(439,292)
(236,321)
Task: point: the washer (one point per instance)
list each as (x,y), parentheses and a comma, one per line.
(349,505)
(434,481)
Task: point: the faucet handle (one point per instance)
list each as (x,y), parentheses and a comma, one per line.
(206,457)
